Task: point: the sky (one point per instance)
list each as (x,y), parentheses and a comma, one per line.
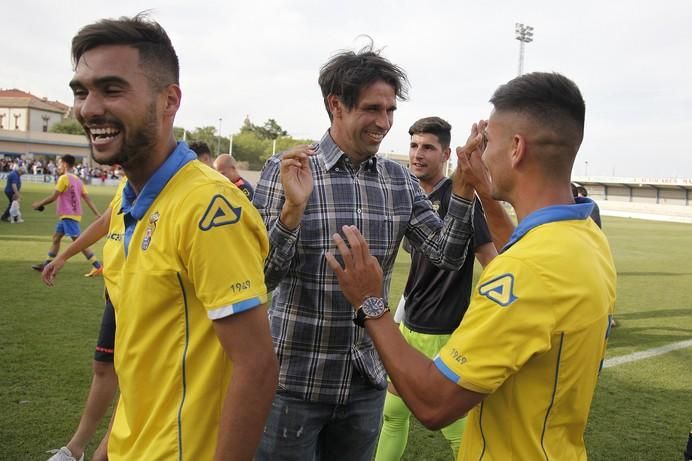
(631,59)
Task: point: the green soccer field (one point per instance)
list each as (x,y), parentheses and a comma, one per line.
(641,410)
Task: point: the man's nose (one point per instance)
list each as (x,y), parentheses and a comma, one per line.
(90,106)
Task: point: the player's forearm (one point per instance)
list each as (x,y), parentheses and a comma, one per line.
(461,188)
(48,200)
(91,205)
(500,224)
(248,402)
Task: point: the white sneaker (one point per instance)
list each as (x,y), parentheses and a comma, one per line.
(64,454)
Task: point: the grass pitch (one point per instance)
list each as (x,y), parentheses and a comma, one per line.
(641,410)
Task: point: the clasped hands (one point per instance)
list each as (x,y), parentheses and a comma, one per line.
(471,173)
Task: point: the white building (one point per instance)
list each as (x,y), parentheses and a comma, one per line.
(21,111)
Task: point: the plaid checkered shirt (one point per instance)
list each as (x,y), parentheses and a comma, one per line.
(317,344)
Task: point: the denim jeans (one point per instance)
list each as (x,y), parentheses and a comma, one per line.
(300,430)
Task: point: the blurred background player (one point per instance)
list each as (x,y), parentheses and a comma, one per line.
(203,152)
(227,166)
(69,193)
(12,189)
(580,191)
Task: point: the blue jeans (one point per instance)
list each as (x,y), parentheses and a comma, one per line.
(299,430)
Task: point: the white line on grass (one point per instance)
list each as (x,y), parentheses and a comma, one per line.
(646,354)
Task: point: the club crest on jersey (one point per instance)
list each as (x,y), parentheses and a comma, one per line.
(219,213)
(149,232)
(436,205)
(499,290)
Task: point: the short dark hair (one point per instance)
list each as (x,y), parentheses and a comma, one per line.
(549,98)
(347,73)
(433,125)
(578,190)
(200,148)
(156,51)
(69,159)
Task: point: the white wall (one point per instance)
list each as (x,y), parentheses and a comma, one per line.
(8,119)
(36,119)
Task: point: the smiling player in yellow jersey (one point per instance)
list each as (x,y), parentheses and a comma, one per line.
(525,360)
(183,262)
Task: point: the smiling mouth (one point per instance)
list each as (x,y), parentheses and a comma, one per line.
(375,136)
(103,135)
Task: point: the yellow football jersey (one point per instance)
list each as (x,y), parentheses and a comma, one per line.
(190,250)
(534,338)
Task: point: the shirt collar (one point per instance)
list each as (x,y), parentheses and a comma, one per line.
(331,153)
(437,186)
(137,205)
(578,211)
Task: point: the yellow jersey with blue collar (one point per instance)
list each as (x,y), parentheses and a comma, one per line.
(534,339)
(188,249)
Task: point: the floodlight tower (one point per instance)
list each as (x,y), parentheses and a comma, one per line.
(524,35)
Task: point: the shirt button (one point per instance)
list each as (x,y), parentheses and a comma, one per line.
(359,211)
(337,169)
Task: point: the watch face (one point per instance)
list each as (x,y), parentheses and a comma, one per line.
(373,307)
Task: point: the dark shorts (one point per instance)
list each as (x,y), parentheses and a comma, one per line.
(106,343)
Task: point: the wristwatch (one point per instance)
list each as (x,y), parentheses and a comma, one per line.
(372,308)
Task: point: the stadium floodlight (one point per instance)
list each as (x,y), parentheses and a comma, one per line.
(524,34)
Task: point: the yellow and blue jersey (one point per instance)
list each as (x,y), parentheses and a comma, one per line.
(534,338)
(188,249)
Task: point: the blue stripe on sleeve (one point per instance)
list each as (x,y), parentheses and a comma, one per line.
(236,308)
(449,374)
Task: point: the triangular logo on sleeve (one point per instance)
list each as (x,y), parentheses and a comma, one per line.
(220,212)
(500,290)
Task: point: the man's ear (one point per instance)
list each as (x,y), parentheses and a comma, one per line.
(519,147)
(336,106)
(446,153)
(173,96)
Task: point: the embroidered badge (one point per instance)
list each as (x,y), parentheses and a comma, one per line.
(219,213)
(499,290)
(149,232)
(436,205)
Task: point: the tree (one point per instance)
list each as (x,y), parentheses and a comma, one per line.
(254,144)
(270,130)
(248,147)
(208,134)
(180,133)
(67,126)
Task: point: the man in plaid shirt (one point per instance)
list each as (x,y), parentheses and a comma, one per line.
(332,383)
